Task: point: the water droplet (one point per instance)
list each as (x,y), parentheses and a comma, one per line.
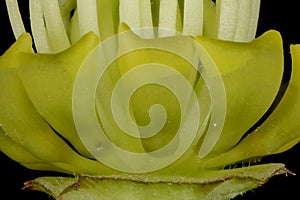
(215,124)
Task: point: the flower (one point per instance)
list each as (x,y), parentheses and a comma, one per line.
(200,93)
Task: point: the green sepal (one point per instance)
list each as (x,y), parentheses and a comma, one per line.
(219,185)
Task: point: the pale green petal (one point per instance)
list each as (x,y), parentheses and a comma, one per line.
(252,74)
(48,80)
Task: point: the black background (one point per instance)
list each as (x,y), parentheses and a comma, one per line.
(283,16)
